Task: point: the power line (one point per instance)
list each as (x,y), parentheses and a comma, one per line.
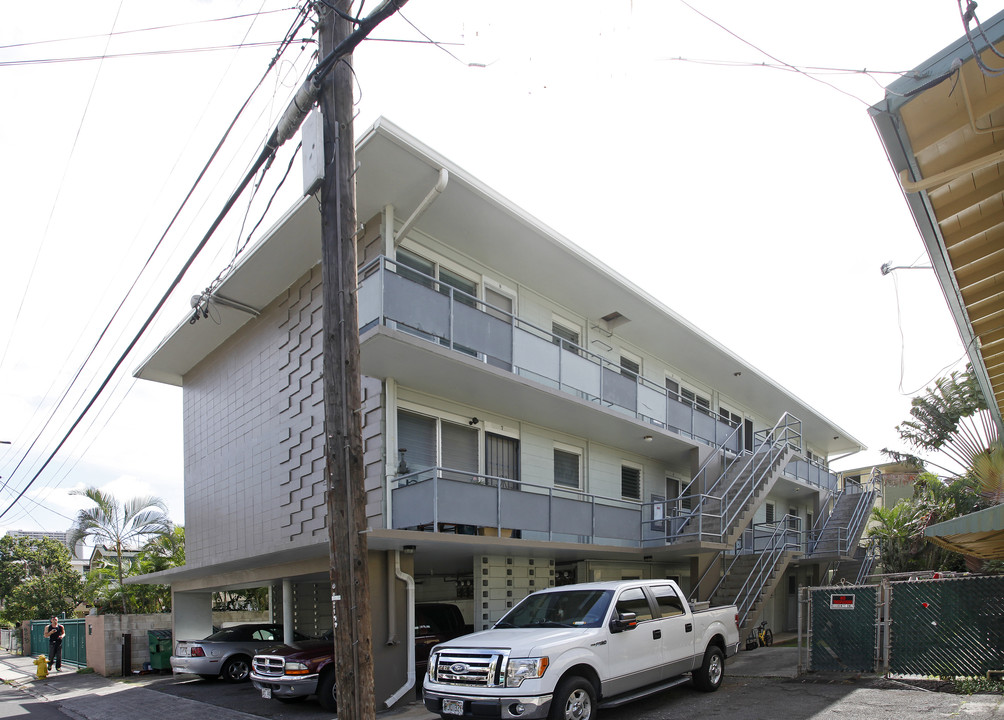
(149,53)
(118,33)
(296,25)
(772,57)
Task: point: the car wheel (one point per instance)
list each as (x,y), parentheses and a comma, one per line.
(326,694)
(575,699)
(209,677)
(709,677)
(236,669)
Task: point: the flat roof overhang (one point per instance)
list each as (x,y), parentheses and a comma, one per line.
(980,534)
(435,553)
(939,128)
(396,169)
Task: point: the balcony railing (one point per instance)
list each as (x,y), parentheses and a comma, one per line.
(439,499)
(812,473)
(407,300)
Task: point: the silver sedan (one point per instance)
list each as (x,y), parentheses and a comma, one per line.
(227,653)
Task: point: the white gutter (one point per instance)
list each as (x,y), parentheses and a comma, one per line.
(444,178)
(409,582)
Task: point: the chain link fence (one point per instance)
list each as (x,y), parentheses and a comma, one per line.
(951,627)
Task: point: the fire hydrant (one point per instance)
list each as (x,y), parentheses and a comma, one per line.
(43,667)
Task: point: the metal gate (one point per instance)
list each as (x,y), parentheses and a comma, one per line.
(843,623)
(950,627)
(74,643)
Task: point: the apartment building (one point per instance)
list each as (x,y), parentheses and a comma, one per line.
(530,418)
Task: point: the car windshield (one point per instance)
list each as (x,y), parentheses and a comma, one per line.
(573,608)
(247,632)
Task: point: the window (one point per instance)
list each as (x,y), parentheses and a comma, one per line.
(727,416)
(673,388)
(565,336)
(793,518)
(668,601)
(416,437)
(416,268)
(460,450)
(696,401)
(633,600)
(630,365)
(566,469)
(631,482)
(468,290)
(770,512)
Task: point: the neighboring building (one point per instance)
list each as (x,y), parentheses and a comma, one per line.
(79,564)
(530,418)
(940,126)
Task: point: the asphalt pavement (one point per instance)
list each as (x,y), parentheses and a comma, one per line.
(758,684)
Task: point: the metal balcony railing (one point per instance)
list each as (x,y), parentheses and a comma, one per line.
(396,296)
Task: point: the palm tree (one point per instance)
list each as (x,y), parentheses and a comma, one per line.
(120,525)
(895,529)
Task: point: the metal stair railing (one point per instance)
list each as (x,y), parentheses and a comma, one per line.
(786,432)
(861,511)
(867,562)
(781,540)
(851,529)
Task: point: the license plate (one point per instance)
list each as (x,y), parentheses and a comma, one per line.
(266,693)
(453,707)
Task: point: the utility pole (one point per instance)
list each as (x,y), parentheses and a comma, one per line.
(349,570)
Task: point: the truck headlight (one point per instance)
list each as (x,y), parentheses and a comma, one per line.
(296,668)
(520,669)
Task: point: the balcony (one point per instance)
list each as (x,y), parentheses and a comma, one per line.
(403,299)
(445,500)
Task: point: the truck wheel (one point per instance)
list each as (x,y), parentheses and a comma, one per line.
(326,694)
(709,677)
(575,699)
(236,669)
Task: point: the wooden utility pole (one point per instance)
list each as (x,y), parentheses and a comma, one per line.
(346,500)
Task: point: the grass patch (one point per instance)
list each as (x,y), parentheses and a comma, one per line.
(978,685)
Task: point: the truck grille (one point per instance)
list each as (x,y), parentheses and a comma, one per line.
(470,668)
(269,665)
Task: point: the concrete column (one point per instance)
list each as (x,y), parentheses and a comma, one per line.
(287,610)
(192,615)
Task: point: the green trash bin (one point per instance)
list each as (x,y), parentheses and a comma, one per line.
(160,649)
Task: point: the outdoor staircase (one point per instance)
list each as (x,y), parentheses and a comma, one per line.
(749,581)
(856,570)
(726,507)
(842,529)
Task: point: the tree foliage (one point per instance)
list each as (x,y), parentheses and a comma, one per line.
(120,526)
(36,579)
(104,590)
(952,419)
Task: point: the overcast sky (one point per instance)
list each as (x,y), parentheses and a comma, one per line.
(757,202)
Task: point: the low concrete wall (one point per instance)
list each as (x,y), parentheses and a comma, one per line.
(105,640)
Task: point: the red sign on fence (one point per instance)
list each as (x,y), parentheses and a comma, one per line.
(841,602)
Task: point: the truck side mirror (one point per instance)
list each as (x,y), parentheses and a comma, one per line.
(624,621)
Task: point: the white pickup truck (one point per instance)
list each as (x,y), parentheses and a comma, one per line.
(565,652)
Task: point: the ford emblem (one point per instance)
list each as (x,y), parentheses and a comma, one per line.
(459,668)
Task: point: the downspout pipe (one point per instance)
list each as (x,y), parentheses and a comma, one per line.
(441,183)
(409,582)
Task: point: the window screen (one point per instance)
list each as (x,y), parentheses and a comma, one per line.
(566,469)
(409,262)
(630,368)
(567,338)
(416,435)
(468,290)
(460,450)
(630,482)
(770,512)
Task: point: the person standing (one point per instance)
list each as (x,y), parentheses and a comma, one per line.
(55,632)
